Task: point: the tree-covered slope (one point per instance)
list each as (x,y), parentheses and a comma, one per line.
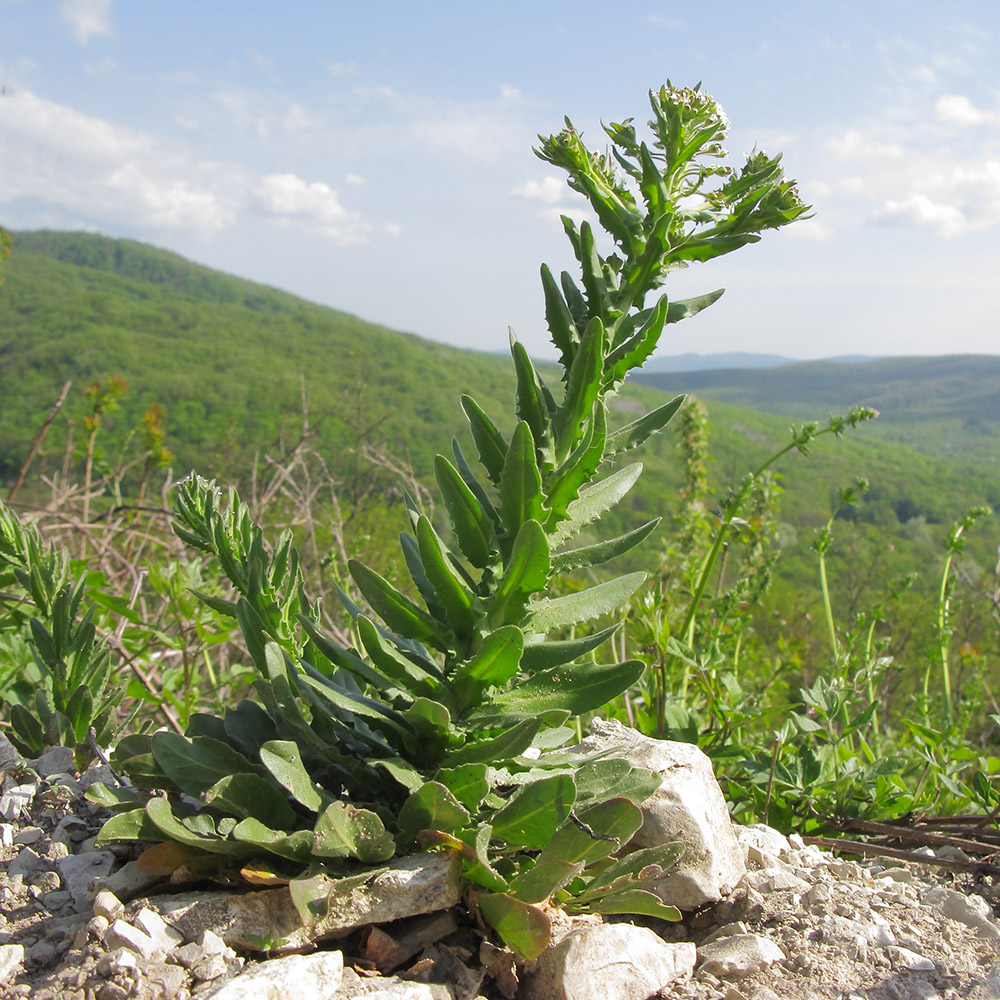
(226,358)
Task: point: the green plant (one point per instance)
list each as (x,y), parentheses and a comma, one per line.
(63,696)
(444,724)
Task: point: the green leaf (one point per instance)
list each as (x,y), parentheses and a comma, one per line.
(283,760)
(634,434)
(344,831)
(490,443)
(521,497)
(507,744)
(455,597)
(397,611)
(559,320)
(472,525)
(634,351)
(494,663)
(523,927)
(577,688)
(535,811)
(571,609)
(598,778)
(612,824)
(602,552)
(431,722)
(595,501)
(467,783)
(295,846)
(541,655)
(114,799)
(684,308)
(476,866)
(582,387)
(526,573)
(399,668)
(431,807)
(531,405)
(125,826)
(195,765)
(162,815)
(640,902)
(248,727)
(579,468)
(537,884)
(246,795)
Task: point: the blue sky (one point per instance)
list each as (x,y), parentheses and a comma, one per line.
(377,157)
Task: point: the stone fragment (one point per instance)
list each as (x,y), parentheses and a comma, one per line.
(29,835)
(688,808)
(58,760)
(6,834)
(11,960)
(9,756)
(123,935)
(904,958)
(764,838)
(16,800)
(608,962)
(107,905)
(739,955)
(78,871)
(26,863)
(973,911)
(153,924)
(305,977)
(127,882)
(405,887)
(776,880)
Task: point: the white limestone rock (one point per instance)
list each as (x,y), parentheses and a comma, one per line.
(688,808)
(608,962)
(305,977)
(11,960)
(78,872)
(738,956)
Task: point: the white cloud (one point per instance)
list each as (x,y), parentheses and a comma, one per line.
(919,210)
(509,93)
(87,18)
(855,145)
(356,179)
(288,200)
(342,68)
(812,230)
(959,110)
(549,190)
(88,172)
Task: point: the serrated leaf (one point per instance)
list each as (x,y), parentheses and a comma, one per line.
(344,831)
(576,688)
(526,573)
(396,610)
(494,663)
(581,466)
(602,552)
(472,525)
(521,497)
(634,434)
(582,387)
(559,320)
(636,350)
(531,405)
(523,927)
(684,308)
(595,501)
(541,655)
(640,902)
(535,811)
(399,668)
(431,807)
(194,765)
(571,609)
(455,598)
(490,443)
(507,744)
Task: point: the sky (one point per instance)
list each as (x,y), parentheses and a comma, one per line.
(377,157)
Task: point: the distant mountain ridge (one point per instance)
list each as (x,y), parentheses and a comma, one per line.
(690,362)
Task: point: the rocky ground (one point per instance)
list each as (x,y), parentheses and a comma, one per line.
(78,923)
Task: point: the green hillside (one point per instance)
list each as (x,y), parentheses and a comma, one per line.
(940,405)
(226,358)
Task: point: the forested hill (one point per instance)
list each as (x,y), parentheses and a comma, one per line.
(937,404)
(225,358)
